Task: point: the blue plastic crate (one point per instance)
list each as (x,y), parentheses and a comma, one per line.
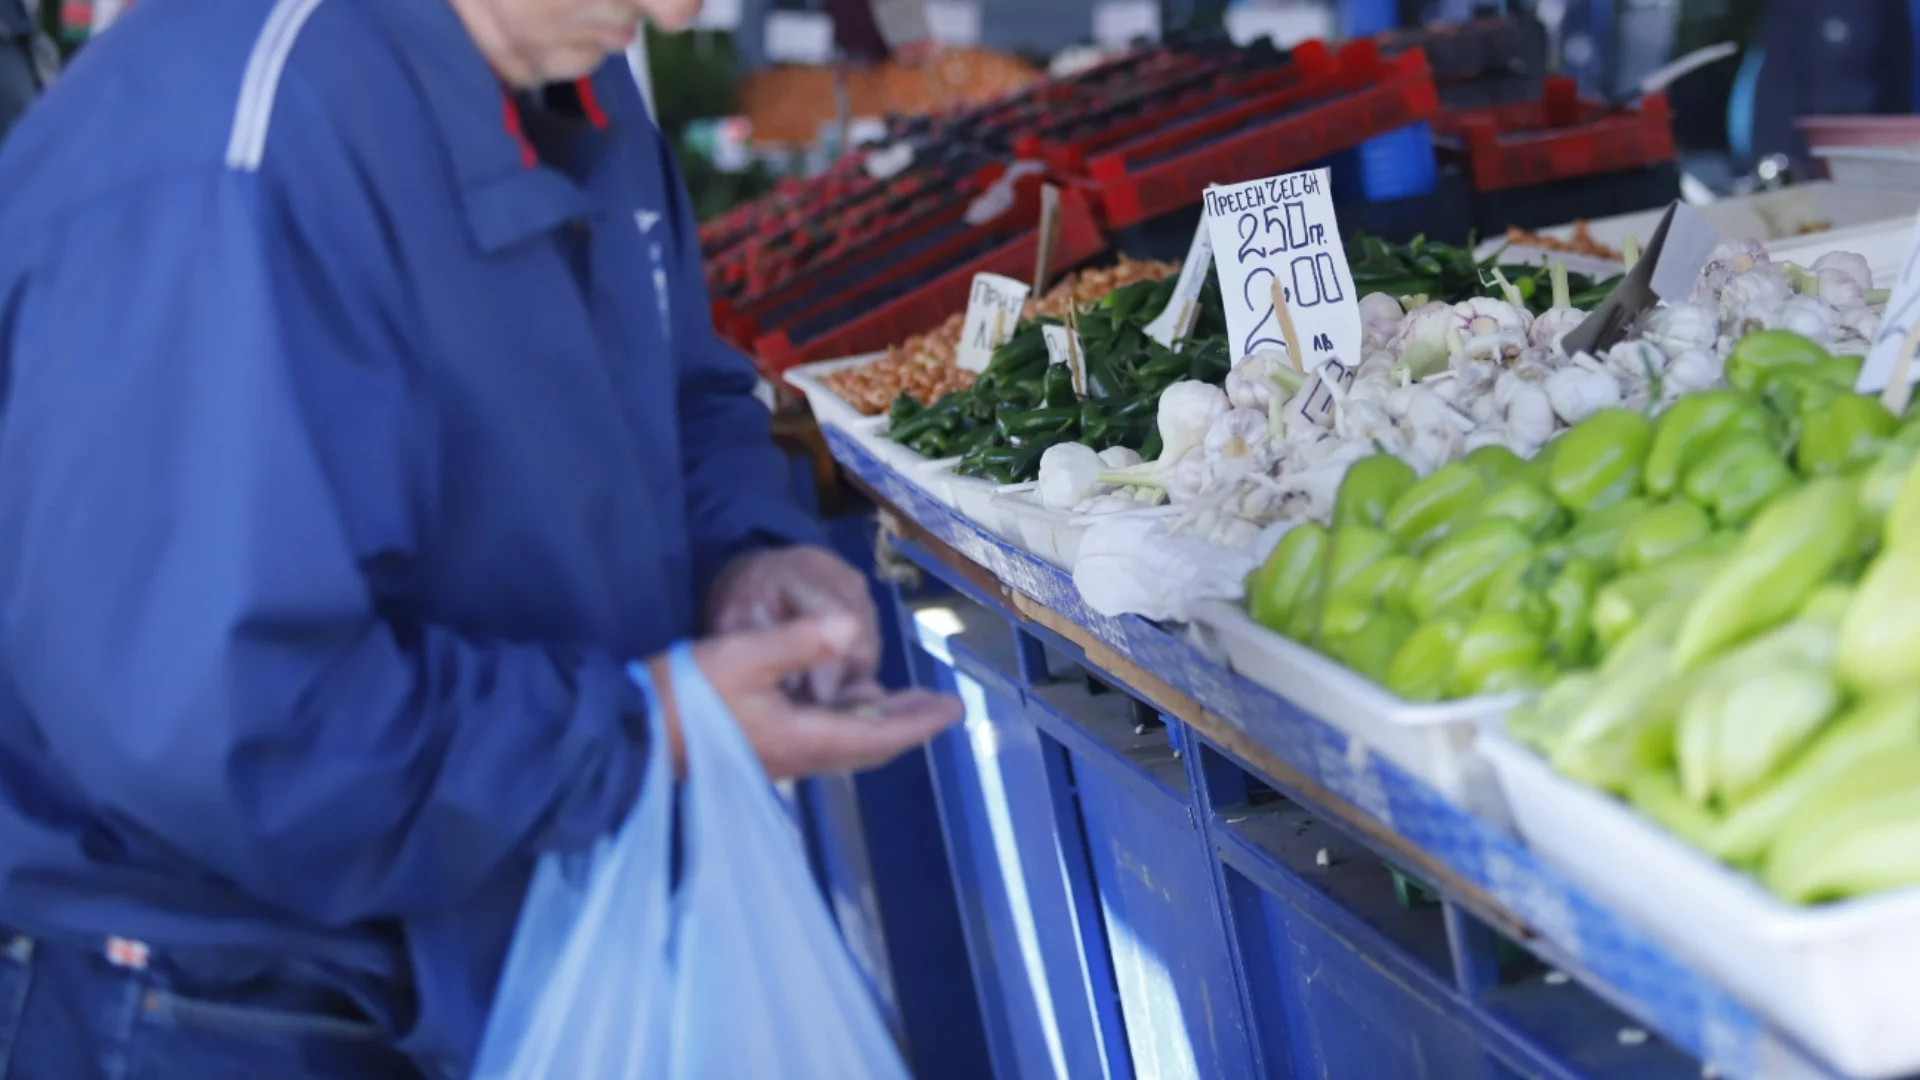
(1397,165)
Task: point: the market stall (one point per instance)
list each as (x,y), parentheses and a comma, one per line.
(1390,657)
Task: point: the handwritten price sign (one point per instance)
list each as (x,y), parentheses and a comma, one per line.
(1283,231)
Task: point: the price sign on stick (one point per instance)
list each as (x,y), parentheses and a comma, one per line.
(1175,321)
(993,311)
(1884,369)
(1282,232)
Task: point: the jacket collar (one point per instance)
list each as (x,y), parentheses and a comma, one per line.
(508,196)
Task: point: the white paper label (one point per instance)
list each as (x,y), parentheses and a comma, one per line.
(1175,322)
(1282,230)
(993,311)
(1903,311)
(1064,348)
(1315,402)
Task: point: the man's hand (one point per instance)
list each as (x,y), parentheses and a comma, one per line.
(747,668)
(768,588)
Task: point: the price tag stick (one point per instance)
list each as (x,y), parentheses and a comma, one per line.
(1049,238)
(1899,391)
(1286,327)
(1076,364)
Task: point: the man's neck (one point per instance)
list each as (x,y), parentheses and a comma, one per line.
(490,36)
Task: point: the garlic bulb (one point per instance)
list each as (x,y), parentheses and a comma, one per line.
(1577,391)
(1235,433)
(1676,328)
(1069,475)
(1187,411)
(1694,369)
(1380,317)
(1841,289)
(1809,316)
(1117,457)
(1247,384)
(1852,264)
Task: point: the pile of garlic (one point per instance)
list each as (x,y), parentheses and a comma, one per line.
(1441,381)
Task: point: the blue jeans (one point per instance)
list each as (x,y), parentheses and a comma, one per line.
(68,1013)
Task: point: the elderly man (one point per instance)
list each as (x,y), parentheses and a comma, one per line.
(362,420)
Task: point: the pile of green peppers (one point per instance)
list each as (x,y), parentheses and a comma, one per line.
(1021,404)
(1438,271)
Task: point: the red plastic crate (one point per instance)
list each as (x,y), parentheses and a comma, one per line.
(1382,96)
(929,305)
(1559,136)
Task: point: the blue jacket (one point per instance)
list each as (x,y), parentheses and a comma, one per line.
(347,454)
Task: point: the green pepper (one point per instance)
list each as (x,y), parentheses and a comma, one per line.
(1370,488)
(1515,589)
(994,463)
(1420,669)
(1623,729)
(1737,477)
(1693,425)
(1656,793)
(1886,721)
(1351,549)
(1496,463)
(1880,485)
(1843,437)
(1371,647)
(1660,534)
(1032,423)
(1498,652)
(1382,586)
(1791,548)
(1455,574)
(1764,354)
(1880,633)
(1303,625)
(1598,462)
(1596,536)
(1569,599)
(1526,504)
(1621,604)
(1151,446)
(1293,565)
(1026,464)
(1746,722)
(1025,353)
(1103,379)
(1539,723)
(1124,302)
(1862,835)
(973,441)
(1434,506)
(1841,371)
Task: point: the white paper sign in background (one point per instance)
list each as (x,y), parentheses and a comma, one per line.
(993,311)
(1175,321)
(1903,310)
(1283,229)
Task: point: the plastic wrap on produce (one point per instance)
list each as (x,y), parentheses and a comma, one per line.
(1133,566)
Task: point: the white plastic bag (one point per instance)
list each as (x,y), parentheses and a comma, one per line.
(738,971)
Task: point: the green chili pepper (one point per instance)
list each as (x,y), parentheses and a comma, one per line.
(1688,429)
(1598,462)
(1498,652)
(973,441)
(1660,534)
(1736,477)
(1496,463)
(1053,420)
(1435,506)
(1023,354)
(994,463)
(1056,387)
(1570,599)
(1454,576)
(1764,354)
(1294,564)
(905,407)
(1103,379)
(1526,504)
(939,419)
(1421,668)
(1843,437)
(1790,549)
(1150,447)
(1370,487)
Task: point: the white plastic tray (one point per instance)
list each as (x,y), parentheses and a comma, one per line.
(829,407)
(975,499)
(1840,978)
(1890,167)
(1433,742)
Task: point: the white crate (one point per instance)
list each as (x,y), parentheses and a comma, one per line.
(1433,742)
(1840,977)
